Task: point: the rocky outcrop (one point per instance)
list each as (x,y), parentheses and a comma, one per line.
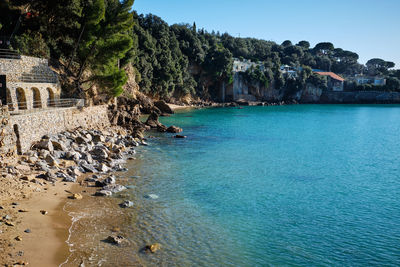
(163,107)
(126,113)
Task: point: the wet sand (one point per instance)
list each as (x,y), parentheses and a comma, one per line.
(45,244)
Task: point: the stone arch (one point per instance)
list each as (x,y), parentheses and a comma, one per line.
(10,103)
(16,132)
(51,98)
(36,99)
(21,98)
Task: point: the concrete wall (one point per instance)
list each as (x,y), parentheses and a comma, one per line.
(32,127)
(373,97)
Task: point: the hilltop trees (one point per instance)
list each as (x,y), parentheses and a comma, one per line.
(95,39)
(377,66)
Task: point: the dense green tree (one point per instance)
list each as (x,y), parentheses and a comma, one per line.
(324,48)
(304,44)
(286,43)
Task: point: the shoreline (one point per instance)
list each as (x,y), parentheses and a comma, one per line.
(47,243)
(34,191)
(39,236)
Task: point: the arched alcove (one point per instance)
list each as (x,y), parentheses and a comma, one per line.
(36,99)
(50,99)
(21,98)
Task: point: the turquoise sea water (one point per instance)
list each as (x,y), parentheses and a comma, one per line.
(303,185)
(291,185)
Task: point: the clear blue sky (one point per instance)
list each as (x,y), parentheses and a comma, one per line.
(370,28)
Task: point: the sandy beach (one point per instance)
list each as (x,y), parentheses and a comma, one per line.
(28,235)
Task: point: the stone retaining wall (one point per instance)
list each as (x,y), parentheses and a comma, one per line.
(7,136)
(32,127)
(364,97)
(13,68)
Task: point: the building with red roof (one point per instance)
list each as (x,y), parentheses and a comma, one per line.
(335,82)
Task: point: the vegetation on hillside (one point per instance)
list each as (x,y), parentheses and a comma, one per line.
(95,39)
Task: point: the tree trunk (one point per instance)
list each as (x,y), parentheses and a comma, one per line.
(76,47)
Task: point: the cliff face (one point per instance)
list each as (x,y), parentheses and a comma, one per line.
(311,94)
(251,91)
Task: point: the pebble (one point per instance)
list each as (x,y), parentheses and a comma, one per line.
(28,231)
(8,223)
(18,238)
(153,248)
(76,196)
(43,212)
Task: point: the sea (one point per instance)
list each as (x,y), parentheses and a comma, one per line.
(298,185)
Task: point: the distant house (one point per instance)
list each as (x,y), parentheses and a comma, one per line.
(288,71)
(244,65)
(361,79)
(335,82)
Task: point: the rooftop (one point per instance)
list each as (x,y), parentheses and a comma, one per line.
(330,74)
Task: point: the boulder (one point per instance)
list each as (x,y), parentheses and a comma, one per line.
(180,136)
(161,128)
(152,120)
(114,188)
(99,152)
(73,155)
(115,240)
(126,204)
(23,168)
(74,171)
(103,168)
(58,145)
(88,168)
(98,138)
(174,129)
(51,160)
(45,144)
(103,193)
(163,107)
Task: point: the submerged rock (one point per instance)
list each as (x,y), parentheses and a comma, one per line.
(174,129)
(103,193)
(114,188)
(116,240)
(153,248)
(151,196)
(126,204)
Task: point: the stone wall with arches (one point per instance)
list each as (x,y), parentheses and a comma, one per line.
(21,96)
(30,83)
